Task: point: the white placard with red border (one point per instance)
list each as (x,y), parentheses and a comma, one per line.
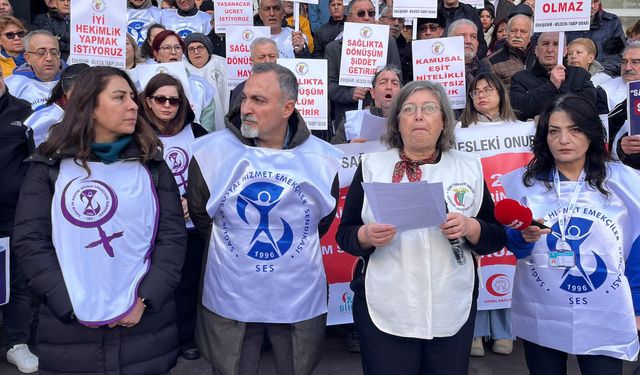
(415,9)
(98,33)
(562,15)
(232,13)
(364,50)
(441,60)
(239,39)
(337,263)
(313,103)
(503,148)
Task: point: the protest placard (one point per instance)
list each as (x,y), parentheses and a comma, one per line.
(441,60)
(98,33)
(562,15)
(415,9)
(232,13)
(364,50)
(313,104)
(239,39)
(633,107)
(503,148)
(337,263)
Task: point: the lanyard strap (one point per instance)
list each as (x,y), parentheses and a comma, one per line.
(563,220)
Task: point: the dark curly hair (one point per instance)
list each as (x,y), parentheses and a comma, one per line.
(583,114)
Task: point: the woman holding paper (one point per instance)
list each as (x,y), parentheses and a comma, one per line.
(571,289)
(414,304)
(100,236)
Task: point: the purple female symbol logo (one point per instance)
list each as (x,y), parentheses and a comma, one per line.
(178,161)
(92,204)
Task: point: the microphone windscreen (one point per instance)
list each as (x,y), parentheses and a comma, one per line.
(512,214)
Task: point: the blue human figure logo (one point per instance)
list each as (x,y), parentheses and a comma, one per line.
(184,33)
(135,28)
(264,197)
(577,231)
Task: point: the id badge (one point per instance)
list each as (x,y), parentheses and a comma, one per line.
(563,256)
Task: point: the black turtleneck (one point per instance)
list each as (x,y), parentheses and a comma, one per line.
(188,13)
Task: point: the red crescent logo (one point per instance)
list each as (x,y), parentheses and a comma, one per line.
(502,279)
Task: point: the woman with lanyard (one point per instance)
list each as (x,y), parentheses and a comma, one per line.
(100,235)
(414,303)
(489,105)
(166,107)
(571,295)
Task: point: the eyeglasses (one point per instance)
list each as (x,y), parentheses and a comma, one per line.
(426,108)
(162,100)
(42,52)
(169,49)
(12,35)
(370,12)
(431,28)
(487,90)
(634,62)
(198,49)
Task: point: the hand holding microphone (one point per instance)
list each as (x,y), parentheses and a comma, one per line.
(456,229)
(512,214)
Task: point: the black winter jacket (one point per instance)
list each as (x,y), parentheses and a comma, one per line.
(326,34)
(16,143)
(67,347)
(531,89)
(59,26)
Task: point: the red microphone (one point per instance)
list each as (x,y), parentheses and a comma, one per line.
(510,213)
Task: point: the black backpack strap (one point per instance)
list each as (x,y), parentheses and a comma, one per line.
(153,170)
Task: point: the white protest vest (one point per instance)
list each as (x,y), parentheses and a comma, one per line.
(585,309)
(414,286)
(215,73)
(103,229)
(284,40)
(35,92)
(40,122)
(264,262)
(205,99)
(616,91)
(139,20)
(184,26)
(177,154)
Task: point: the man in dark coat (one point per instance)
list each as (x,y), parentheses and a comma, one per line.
(58,23)
(455,10)
(531,89)
(16,143)
(328,32)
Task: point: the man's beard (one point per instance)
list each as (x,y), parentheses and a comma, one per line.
(248,131)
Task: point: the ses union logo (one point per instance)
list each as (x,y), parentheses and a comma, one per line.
(264,197)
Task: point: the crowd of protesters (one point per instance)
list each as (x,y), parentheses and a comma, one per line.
(182,218)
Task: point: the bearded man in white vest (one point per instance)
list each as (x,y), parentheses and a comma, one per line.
(263,191)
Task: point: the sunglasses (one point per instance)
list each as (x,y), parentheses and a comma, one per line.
(12,35)
(162,100)
(362,13)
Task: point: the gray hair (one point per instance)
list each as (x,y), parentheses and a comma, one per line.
(520,16)
(288,81)
(459,23)
(27,38)
(632,45)
(347,10)
(263,40)
(387,68)
(280,3)
(392,137)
